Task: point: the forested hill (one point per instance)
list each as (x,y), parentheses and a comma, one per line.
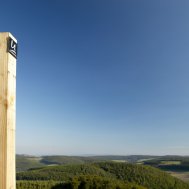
(25,162)
(117,175)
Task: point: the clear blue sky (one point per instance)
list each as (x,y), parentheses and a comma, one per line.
(102,76)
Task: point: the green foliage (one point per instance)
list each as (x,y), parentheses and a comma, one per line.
(62,173)
(24,163)
(27,162)
(183,164)
(143,175)
(81,182)
(96,182)
(60,160)
(36,184)
(105,175)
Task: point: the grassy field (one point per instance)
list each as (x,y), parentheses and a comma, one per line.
(120,161)
(170,163)
(181,175)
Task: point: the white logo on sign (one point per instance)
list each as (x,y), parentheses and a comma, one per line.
(13,46)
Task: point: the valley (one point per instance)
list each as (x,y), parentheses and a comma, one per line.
(129,172)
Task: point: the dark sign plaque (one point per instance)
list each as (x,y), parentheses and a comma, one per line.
(12,47)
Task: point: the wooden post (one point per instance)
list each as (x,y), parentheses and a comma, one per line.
(8,52)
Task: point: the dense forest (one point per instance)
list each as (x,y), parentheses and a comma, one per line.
(81,182)
(98,175)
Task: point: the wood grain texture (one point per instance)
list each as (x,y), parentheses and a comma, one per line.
(7,114)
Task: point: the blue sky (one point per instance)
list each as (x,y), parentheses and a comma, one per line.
(101,77)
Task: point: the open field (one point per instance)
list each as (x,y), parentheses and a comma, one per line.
(120,161)
(170,163)
(181,175)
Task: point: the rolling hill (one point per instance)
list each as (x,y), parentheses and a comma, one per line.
(108,172)
(25,162)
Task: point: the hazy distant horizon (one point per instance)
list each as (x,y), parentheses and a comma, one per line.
(90,155)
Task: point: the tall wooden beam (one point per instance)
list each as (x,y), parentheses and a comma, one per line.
(8,52)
